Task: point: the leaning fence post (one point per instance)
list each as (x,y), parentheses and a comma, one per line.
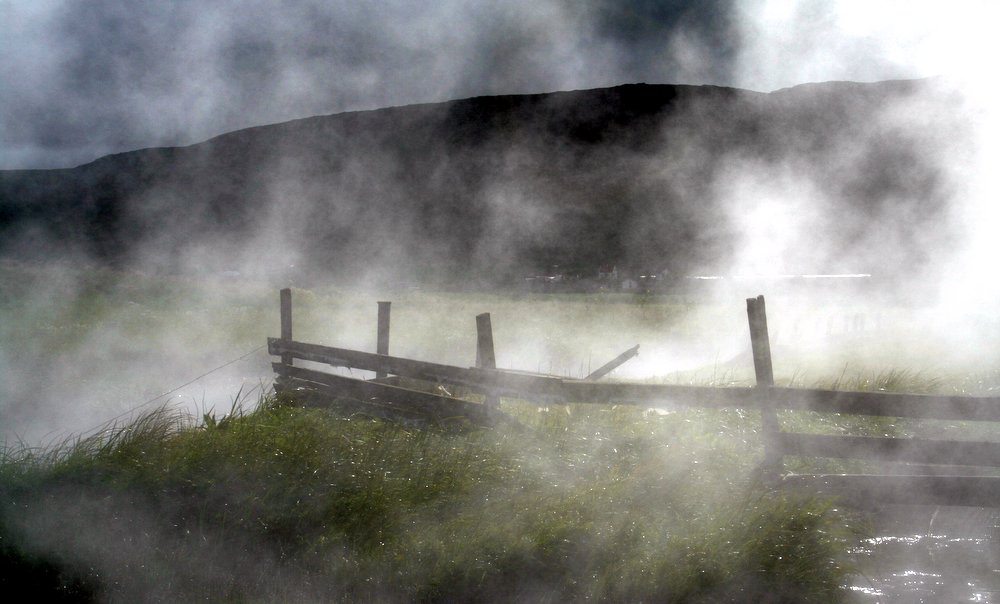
(764,371)
(382,346)
(286,322)
(485,356)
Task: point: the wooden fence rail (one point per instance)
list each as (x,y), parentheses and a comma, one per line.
(562,390)
(927,486)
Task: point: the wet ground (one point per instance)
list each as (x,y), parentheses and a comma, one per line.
(946,554)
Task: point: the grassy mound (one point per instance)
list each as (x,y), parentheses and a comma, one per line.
(291,504)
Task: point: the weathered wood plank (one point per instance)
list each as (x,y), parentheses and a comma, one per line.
(925,406)
(977,491)
(916,450)
(342,357)
(583,391)
(613,364)
(311,394)
(760,345)
(285,298)
(529,385)
(413,400)
(654,395)
(382,343)
(485,355)
(482,379)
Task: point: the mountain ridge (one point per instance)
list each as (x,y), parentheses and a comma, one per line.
(492,188)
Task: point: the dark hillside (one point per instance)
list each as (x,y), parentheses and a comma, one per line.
(493,188)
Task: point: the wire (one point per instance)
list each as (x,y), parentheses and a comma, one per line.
(173,390)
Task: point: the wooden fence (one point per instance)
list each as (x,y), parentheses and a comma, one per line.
(936,472)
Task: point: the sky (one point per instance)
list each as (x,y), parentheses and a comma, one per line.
(83,78)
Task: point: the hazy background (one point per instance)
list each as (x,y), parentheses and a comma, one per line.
(83,79)
(79,80)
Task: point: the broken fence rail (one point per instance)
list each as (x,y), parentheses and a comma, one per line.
(563,390)
(924,484)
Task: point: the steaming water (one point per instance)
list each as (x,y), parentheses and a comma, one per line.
(931,555)
(60,406)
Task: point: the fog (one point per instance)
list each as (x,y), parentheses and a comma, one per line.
(182,321)
(101,78)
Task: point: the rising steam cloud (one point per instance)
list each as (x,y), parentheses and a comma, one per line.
(80,80)
(101,77)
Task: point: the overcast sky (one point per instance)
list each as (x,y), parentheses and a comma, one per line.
(83,78)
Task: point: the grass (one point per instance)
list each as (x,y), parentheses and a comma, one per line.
(273,502)
(281,503)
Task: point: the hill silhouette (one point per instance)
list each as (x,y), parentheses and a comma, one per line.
(488,189)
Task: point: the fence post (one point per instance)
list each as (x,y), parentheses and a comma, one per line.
(761,347)
(286,321)
(382,346)
(485,356)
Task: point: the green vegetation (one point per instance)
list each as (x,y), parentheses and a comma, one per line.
(274,502)
(287,503)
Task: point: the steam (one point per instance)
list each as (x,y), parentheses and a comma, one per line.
(85,79)
(97,77)
(788,43)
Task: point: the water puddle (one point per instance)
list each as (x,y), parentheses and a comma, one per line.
(935,555)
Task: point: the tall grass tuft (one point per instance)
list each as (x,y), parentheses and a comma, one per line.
(889,380)
(278,502)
